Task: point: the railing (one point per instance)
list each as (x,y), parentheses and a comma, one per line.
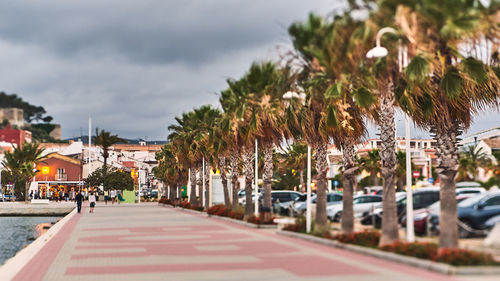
(61,177)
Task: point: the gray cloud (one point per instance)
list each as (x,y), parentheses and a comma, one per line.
(135,65)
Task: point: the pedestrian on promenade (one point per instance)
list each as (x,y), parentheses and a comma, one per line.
(119,196)
(113,196)
(79,200)
(92,202)
(106,197)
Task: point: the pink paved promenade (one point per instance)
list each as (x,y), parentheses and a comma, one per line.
(149,242)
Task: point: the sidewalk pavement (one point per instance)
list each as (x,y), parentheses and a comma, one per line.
(149,242)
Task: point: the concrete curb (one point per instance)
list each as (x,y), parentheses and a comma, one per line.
(411,261)
(14,265)
(251,225)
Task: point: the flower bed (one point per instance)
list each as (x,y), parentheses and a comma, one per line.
(238,214)
(421,250)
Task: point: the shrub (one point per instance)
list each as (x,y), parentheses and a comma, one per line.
(363,238)
(197,208)
(322,230)
(185,204)
(238,215)
(164,200)
(298,226)
(254,219)
(421,250)
(465,257)
(218,210)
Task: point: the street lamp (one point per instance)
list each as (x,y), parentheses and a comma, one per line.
(45,171)
(377,52)
(302,96)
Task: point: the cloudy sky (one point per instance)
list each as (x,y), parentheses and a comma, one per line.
(134,65)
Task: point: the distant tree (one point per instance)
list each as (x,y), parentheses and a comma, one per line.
(31,112)
(105,140)
(112,178)
(21,165)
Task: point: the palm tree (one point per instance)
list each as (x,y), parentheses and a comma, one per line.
(335,103)
(181,136)
(21,163)
(444,86)
(267,83)
(371,164)
(105,140)
(296,158)
(190,136)
(470,161)
(218,143)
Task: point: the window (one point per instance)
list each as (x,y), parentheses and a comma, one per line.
(283,197)
(492,202)
(375,199)
(60,171)
(334,197)
(294,195)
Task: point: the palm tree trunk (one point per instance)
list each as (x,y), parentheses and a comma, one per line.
(207,183)
(348,179)
(192,194)
(447,167)
(27,189)
(301,176)
(248,158)
(223,176)
(234,178)
(267,175)
(388,170)
(322,168)
(199,183)
(105,168)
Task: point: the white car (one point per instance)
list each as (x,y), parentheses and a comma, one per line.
(361,204)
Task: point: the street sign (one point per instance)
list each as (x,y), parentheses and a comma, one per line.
(335,183)
(416,174)
(431,180)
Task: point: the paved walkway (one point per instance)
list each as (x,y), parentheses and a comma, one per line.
(150,242)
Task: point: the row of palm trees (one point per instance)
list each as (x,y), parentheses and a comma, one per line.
(326,91)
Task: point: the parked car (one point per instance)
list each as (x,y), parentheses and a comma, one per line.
(490,223)
(421,216)
(361,204)
(285,208)
(473,213)
(470,190)
(281,197)
(374,189)
(298,207)
(422,198)
(242,196)
(332,198)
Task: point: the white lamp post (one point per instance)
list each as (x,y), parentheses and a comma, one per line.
(377,52)
(302,96)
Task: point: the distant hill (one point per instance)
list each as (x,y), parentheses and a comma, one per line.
(85,140)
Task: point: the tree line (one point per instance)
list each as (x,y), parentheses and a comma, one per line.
(326,91)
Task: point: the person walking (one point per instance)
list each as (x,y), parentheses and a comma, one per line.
(106,197)
(79,200)
(113,196)
(92,201)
